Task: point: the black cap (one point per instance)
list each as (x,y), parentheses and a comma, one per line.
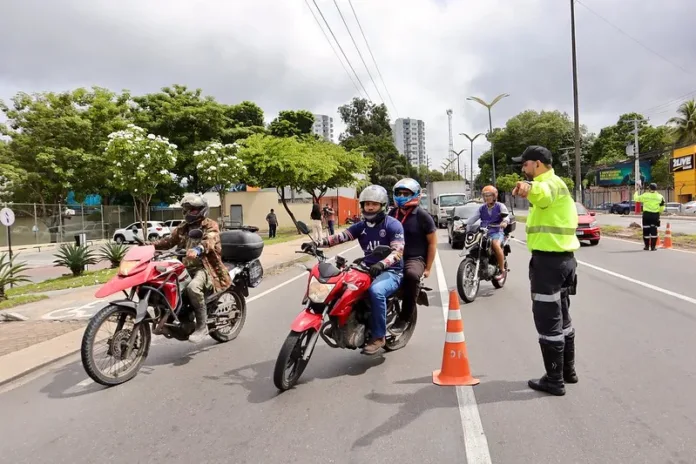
(535,153)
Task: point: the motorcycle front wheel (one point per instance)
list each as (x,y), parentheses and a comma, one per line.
(115,368)
(290,365)
(467,280)
(500,283)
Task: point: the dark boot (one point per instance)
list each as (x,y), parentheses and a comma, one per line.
(647,243)
(201,331)
(569,375)
(653,243)
(552,381)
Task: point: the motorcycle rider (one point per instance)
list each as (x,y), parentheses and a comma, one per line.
(493,212)
(203,257)
(376,228)
(421,245)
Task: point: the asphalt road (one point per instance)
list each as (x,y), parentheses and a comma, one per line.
(635,316)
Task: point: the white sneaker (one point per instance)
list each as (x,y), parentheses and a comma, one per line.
(199,335)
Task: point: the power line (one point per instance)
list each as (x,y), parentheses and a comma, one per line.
(341,48)
(633,38)
(664,106)
(333,48)
(359,54)
(350,2)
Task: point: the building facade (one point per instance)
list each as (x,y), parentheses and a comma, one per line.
(409,138)
(682,166)
(323,127)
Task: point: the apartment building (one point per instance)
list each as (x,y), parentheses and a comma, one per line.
(409,138)
(323,127)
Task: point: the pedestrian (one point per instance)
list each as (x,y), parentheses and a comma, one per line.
(272,221)
(315,216)
(653,205)
(330,217)
(551,226)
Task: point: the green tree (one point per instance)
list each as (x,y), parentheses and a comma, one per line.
(219,169)
(660,172)
(291,123)
(192,121)
(345,167)
(507,182)
(609,146)
(56,146)
(364,118)
(570,183)
(283,162)
(683,127)
(141,163)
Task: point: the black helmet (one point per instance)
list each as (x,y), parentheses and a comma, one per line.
(195,207)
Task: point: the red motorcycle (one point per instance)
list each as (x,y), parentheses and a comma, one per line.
(158,281)
(337,310)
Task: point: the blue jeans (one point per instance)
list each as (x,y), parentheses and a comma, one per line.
(497,236)
(382,288)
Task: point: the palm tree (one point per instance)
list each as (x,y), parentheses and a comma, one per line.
(684,125)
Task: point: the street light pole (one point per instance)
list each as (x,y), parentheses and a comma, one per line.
(576,110)
(490,121)
(459,171)
(471,140)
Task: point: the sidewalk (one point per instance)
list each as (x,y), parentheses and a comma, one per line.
(53,328)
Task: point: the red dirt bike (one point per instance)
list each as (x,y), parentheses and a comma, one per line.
(337,310)
(158,281)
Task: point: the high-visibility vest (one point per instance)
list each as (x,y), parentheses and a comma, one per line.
(653,202)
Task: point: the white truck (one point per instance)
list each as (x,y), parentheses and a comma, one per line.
(445,195)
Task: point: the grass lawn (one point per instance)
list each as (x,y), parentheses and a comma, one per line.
(20,300)
(284,234)
(64,282)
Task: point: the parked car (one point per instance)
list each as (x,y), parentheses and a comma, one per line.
(689,208)
(155,231)
(588,227)
(173,224)
(625,207)
(606,206)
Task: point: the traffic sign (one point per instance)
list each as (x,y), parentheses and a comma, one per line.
(7,217)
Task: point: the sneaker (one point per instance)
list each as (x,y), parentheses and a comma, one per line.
(399,326)
(199,335)
(374,346)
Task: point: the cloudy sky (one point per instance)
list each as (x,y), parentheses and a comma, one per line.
(633,55)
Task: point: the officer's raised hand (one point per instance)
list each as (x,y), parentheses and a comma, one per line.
(522,189)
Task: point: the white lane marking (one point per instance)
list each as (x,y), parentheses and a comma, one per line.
(291,280)
(633,281)
(475,441)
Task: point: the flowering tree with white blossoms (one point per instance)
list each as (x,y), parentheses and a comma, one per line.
(219,168)
(141,163)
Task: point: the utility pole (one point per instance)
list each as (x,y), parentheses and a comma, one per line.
(451,140)
(576,110)
(636,154)
(566,159)
(459,171)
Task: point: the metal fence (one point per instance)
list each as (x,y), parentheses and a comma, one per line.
(38,224)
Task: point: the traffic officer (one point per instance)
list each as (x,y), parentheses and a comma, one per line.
(551,237)
(653,205)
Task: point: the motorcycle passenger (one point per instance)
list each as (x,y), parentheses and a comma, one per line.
(376,228)
(203,258)
(496,213)
(420,233)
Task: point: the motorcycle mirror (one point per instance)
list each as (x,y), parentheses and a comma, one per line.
(195,234)
(381,251)
(303,227)
(456,218)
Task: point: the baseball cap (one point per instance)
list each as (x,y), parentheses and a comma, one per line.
(535,153)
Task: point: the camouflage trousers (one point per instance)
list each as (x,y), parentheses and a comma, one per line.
(196,289)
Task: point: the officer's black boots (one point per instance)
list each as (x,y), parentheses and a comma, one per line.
(653,243)
(647,243)
(569,374)
(552,381)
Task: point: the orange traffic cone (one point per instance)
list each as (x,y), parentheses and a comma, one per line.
(658,244)
(668,238)
(455,361)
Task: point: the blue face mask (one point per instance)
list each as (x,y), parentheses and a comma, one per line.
(401,201)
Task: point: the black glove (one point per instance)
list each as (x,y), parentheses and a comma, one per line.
(307,246)
(376,269)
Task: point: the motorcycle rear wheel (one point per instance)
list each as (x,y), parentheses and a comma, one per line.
(116,344)
(236,324)
(396,342)
(468,265)
(290,365)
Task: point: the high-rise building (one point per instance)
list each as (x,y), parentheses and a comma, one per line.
(323,127)
(409,138)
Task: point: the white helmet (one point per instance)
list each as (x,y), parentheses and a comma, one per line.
(195,207)
(377,194)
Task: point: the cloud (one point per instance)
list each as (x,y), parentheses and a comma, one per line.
(432,54)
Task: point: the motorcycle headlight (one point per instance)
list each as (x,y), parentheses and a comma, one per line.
(127,266)
(318,292)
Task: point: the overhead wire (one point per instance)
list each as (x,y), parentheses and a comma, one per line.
(350,2)
(341,48)
(340,13)
(352,80)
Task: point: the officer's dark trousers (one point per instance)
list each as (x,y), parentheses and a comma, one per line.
(552,275)
(651,221)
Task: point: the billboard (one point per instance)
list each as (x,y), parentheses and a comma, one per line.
(681,163)
(623,174)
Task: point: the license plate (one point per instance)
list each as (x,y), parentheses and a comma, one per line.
(578,232)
